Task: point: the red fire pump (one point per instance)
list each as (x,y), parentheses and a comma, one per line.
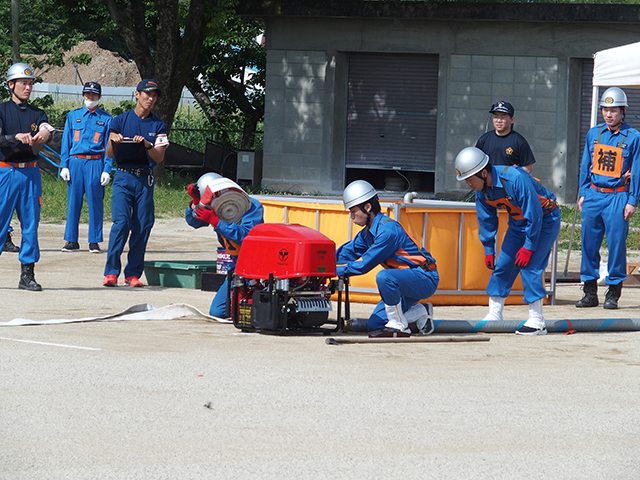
(282,279)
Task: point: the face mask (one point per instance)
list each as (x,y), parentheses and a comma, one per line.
(91,104)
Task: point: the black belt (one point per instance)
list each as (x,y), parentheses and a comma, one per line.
(138,172)
(428,266)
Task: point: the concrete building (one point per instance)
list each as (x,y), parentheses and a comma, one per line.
(391,91)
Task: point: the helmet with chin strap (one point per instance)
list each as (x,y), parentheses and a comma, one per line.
(470,161)
(614,97)
(357,193)
(19,70)
(207,179)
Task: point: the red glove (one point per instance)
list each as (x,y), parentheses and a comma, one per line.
(194,193)
(207,196)
(490,261)
(207,214)
(522,257)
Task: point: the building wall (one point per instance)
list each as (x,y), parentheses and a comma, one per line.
(533,65)
(294,121)
(530,84)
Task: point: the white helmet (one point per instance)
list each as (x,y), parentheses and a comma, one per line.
(614,97)
(470,161)
(227,198)
(206,179)
(19,70)
(358,192)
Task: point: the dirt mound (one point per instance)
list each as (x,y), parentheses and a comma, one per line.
(107,68)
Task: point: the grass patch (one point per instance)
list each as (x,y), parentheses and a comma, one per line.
(170,199)
(633,239)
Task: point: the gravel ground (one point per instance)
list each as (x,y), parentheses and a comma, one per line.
(191,399)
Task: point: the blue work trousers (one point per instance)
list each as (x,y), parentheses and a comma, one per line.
(219,303)
(85,180)
(506,271)
(132,212)
(407,286)
(604,213)
(21,191)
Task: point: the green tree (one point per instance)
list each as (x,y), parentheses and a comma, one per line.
(228,80)
(204,46)
(41,43)
(201,44)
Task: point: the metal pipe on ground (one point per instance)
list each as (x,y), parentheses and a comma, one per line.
(553,326)
(423,339)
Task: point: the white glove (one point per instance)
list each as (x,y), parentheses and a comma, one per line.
(64,174)
(105,179)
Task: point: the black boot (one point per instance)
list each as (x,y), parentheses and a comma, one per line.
(28,279)
(612,296)
(590,298)
(9,246)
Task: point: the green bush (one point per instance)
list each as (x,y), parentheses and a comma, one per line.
(170,199)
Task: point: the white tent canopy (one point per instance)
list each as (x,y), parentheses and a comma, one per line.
(615,67)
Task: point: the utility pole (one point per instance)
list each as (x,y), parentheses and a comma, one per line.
(15,22)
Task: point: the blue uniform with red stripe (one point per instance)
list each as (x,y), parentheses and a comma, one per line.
(230,236)
(605,196)
(534,223)
(408,274)
(132,208)
(86,134)
(20,181)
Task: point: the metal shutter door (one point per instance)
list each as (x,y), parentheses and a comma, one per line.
(392,110)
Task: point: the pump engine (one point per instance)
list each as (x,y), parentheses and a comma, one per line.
(283,279)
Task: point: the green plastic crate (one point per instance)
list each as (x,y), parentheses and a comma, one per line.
(177,274)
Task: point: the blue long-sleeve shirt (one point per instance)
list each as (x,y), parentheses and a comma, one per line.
(628,139)
(384,243)
(231,235)
(86,133)
(520,194)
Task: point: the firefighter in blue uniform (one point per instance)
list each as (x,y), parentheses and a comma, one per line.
(137,141)
(609,191)
(85,167)
(409,272)
(24,129)
(221,203)
(534,224)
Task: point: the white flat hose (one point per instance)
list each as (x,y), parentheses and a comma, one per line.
(231,205)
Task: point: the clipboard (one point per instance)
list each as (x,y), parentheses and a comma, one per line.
(129,152)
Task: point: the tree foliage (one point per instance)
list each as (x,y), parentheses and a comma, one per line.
(41,42)
(228,79)
(201,44)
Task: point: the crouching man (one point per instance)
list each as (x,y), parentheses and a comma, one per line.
(409,273)
(534,223)
(221,203)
